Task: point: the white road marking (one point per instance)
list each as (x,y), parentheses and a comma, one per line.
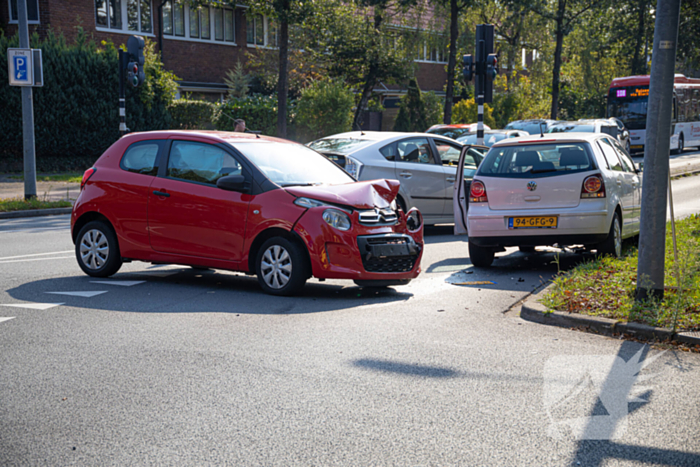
(156,274)
(38,254)
(35,259)
(33,306)
(6,319)
(121,283)
(87,294)
(33,229)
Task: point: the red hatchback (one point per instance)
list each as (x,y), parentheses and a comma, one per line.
(245,203)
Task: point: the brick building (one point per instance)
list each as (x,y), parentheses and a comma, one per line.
(199,45)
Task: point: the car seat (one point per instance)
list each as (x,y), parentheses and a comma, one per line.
(411,153)
(573,157)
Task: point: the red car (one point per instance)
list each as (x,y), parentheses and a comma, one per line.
(245,203)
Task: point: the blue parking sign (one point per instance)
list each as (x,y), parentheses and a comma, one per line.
(21,73)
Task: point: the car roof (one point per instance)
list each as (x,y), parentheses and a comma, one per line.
(216,136)
(379,135)
(569,137)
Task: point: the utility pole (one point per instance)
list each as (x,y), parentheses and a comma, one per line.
(27,111)
(652,236)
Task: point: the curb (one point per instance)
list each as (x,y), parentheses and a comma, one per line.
(689,168)
(532,310)
(35,213)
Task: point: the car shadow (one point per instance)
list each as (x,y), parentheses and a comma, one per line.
(187,290)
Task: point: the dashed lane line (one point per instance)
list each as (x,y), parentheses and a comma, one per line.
(38,254)
(119,283)
(33,306)
(86,294)
(36,259)
(6,319)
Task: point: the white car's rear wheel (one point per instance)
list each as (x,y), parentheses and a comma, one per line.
(613,244)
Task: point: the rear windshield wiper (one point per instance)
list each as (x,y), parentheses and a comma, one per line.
(541,171)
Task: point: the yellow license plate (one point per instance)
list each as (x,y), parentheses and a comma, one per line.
(544,222)
(637,146)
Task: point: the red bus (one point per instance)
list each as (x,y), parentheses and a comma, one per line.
(628,98)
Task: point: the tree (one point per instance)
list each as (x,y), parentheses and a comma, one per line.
(565,14)
(412,112)
(287,13)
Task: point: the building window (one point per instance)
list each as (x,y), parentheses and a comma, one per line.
(261,31)
(195,23)
(427,52)
(32,11)
(114,14)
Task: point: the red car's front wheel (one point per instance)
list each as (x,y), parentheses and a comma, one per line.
(281,267)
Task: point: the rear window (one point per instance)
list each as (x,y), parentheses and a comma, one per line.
(537,160)
(339,145)
(489,138)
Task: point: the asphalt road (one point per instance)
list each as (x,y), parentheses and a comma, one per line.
(165,365)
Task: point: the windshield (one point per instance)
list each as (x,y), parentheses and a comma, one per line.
(293,164)
(572,127)
(453,133)
(339,145)
(489,138)
(537,160)
(631,110)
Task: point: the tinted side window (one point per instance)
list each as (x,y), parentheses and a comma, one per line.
(199,162)
(449,154)
(415,150)
(141,158)
(610,155)
(389,152)
(627,163)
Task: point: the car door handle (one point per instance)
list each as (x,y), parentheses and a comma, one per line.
(160,193)
(406,174)
(451,179)
(619,183)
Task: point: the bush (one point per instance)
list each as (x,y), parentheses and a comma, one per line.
(434,108)
(324,108)
(412,113)
(76,112)
(258,111)
(466,111)
(191,114)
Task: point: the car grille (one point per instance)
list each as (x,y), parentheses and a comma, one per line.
(383,216)
(390,253)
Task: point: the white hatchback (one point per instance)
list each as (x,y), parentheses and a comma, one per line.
(561,189)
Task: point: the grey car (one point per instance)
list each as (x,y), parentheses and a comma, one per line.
(609,126)
(425,164)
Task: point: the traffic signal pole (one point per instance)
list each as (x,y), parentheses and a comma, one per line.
(483,68)
(122,93)
(27,111)
(480,75)
(652,236)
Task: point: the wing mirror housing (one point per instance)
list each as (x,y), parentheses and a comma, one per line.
(640,166)
(233,183)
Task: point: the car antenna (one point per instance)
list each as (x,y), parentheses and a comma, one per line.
(255,132)
(541,132)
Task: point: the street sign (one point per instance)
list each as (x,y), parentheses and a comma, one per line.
(20,67)
(24,67)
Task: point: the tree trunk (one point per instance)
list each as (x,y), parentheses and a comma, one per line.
(282,83)
(638,62)
(557,59)
(451,62)
(371,77)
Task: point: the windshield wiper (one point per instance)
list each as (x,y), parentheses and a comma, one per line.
(541,171)
(301,184)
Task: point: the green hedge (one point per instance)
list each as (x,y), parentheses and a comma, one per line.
(76,112)
(258,111)
(191,114)
(324,108)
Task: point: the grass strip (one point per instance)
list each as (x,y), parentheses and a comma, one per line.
(66,177)
(20,204)
(606,287)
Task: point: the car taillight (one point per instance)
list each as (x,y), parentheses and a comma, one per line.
(593,187)
(86,176)
(477,193)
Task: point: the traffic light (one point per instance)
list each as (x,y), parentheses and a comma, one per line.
(491,67)
(135,72)
(468,67)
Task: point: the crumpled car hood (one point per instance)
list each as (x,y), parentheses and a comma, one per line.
(360,195)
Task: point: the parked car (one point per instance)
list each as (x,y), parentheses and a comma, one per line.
(425,164)
(565,189)
(531,126)
(245,203)
(454,130)
(492,136)
(596,125)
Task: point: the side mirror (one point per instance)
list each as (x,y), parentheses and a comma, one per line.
(233,183)
(639,166)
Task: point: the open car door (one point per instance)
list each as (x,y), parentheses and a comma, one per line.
(460,198)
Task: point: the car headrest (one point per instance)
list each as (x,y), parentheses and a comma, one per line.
(572,156)
(527,158)
(411,152)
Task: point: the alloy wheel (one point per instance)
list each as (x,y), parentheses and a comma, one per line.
(94,249)
(276,267)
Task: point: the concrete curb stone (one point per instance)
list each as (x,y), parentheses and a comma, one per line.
(533,310)
(35,213)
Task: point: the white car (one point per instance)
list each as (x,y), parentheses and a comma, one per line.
(425,164)
(561,189)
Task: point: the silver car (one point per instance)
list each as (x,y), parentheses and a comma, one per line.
(425,164)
